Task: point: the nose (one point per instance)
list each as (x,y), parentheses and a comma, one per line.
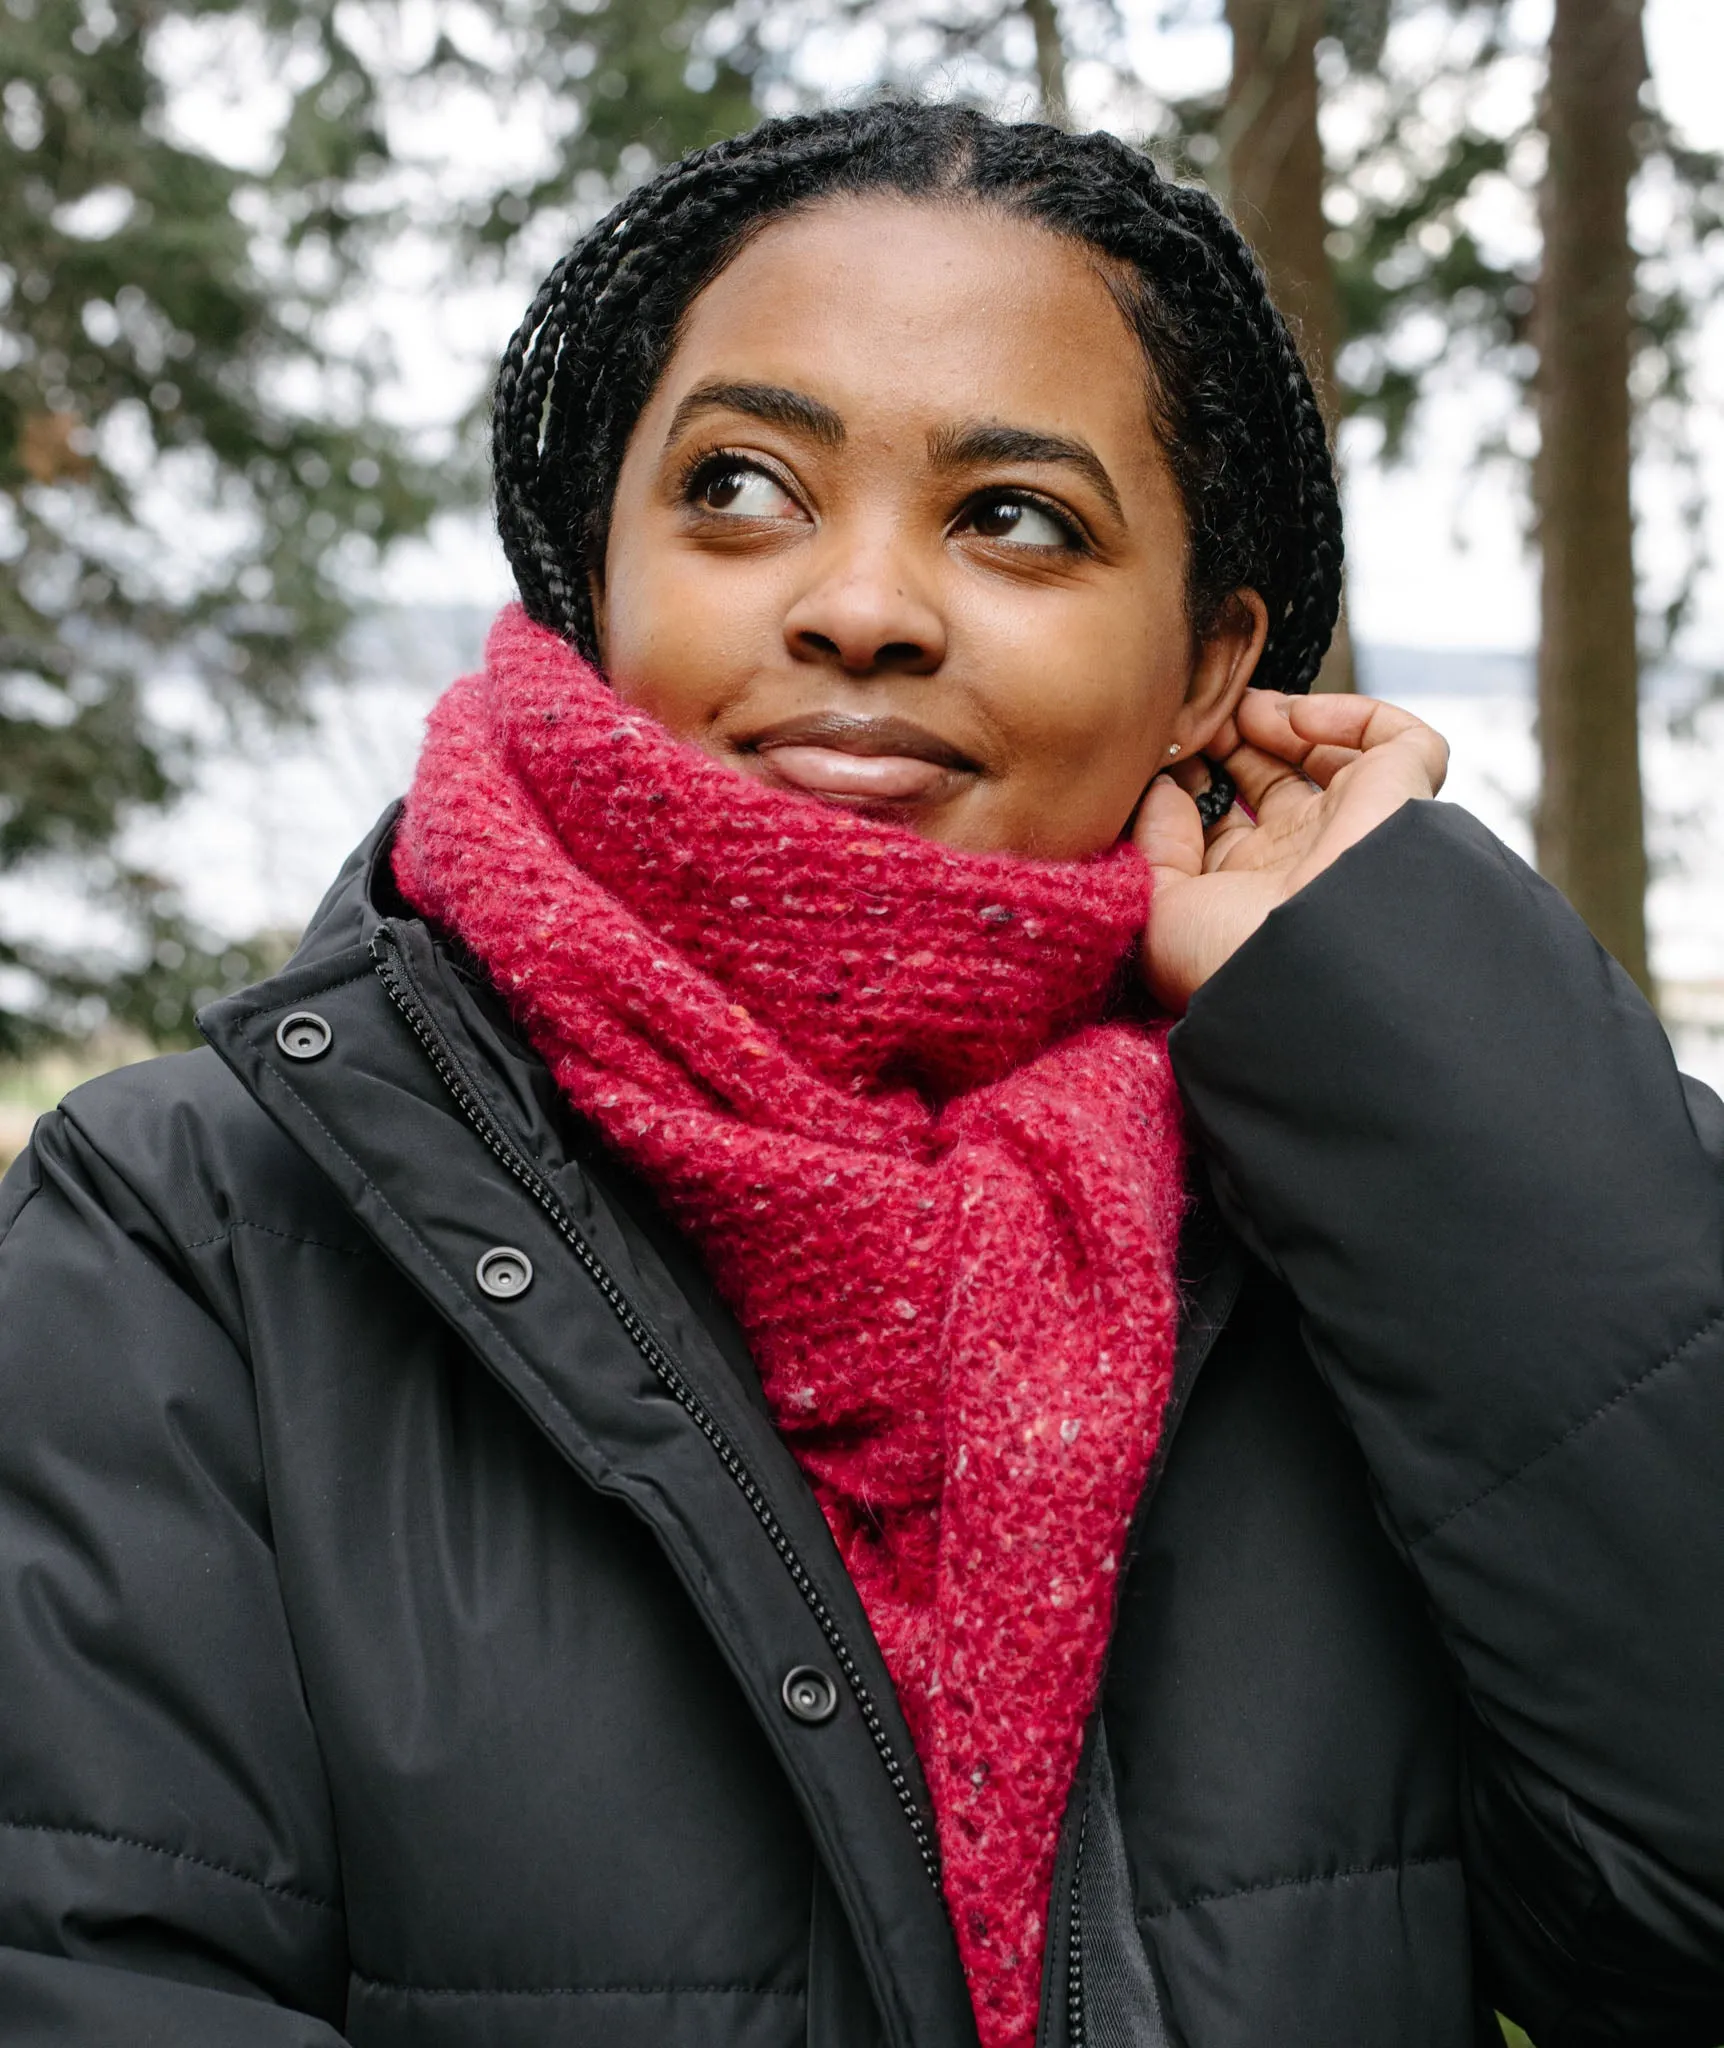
(865,610)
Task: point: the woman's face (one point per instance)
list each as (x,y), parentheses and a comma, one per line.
(895,531)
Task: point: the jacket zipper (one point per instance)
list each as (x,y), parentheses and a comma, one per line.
(393,974)
(1074,1941)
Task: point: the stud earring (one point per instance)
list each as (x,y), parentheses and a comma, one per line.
(1174,749)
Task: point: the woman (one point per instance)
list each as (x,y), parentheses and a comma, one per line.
(666,1443)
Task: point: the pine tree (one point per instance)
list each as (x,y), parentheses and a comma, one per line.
(194,480)
(1590,830)
(638,82)
(165,503)
(1274,175)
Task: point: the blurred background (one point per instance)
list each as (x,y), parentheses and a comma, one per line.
(258,257)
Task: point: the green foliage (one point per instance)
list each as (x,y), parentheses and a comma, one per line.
(195,479)
(1412,252)
(1407,252)
(631,83)
(1422,288)
(190,475)
(146,346)
(1360,27)
(1674,292)
(649,86)
(1401,197)
(153,988)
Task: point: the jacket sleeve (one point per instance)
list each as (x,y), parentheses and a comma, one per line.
(1451,1123)
(167,1862)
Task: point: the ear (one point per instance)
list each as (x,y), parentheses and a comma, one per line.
(1224,664)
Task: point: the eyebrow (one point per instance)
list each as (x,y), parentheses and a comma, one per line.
(984,443)
(773,403)
(973,446)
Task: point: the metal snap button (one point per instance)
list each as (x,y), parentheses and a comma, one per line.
(810,1695)
(304,1035)
(504,1272)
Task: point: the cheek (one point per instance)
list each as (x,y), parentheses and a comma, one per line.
(677,642)
(1086,719)
(1091,693)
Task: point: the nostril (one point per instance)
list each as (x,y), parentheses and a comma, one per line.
(912,655)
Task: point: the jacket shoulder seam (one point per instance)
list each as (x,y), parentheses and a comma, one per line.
(292,1893)
(122,1173)
(1284,1884)
(30,1194)
(397,1985)
(1713,1322)
(346,1251)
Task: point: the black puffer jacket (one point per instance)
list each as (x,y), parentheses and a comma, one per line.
(385,1660)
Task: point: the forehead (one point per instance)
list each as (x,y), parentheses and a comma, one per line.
(893,309)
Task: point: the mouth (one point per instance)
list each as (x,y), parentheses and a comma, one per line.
(846,757)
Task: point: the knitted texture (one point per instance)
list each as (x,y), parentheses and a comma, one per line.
(886,1089)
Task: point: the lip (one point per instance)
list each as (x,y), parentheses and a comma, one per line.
(846,757)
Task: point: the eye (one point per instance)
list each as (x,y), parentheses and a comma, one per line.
(738,490)
(1021,521)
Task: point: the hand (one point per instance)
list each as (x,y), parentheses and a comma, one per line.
(1315,774)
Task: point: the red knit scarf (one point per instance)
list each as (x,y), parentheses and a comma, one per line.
(870,1077)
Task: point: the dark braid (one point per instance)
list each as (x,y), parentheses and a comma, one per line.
(1234,407)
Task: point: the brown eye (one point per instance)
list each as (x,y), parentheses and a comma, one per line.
(1021,522)
(740,491)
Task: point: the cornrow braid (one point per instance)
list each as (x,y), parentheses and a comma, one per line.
(1233,405)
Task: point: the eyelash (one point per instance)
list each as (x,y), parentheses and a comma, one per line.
(704,469)
(1077,541)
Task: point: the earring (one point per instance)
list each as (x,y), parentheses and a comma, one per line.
(1174,749)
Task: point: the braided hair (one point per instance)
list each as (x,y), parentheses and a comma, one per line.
(1233,406)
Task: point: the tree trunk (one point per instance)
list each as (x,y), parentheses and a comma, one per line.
(1272,158)
(1050,60)
(1590,830)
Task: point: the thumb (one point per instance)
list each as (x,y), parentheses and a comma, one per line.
(1169,832)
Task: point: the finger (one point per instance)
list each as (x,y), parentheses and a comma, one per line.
(1386,726)
(1223,839)
(1295,727)
(1422,751)
(1336,718)
(1264,719)
(1362,722)
(1325,762)
(1168,832)
(1433,752)
(1259,774)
